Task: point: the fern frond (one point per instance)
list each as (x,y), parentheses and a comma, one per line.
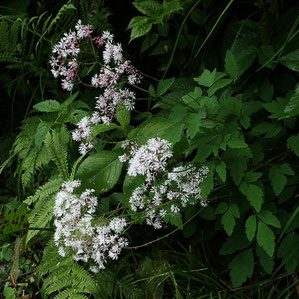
(4,45)
(14,34)
(40,216)
(44,191)
(56,144)
(64,276)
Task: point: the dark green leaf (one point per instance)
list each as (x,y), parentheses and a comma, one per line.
(241,267)
(250,227)
(265,238)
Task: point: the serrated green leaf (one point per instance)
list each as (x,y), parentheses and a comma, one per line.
(266,261)
(221,208)
(221,171)
(265,238)
(193,123)
(235,210)
(288,251)
(228,222)
(265,54)
(285,168)
(231,65)
(139,26)
(293,144)
(241,267)
(291,60)
(251,177)
(164,85)
(278,180)
(47,106)
(250,227)
(254,194)
(267,217)
(207,78)
(218,85)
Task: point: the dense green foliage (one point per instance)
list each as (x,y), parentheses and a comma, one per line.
(220,82)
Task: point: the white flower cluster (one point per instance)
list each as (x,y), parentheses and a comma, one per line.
(64,63)
(149,159)
(75,228)
(179,187)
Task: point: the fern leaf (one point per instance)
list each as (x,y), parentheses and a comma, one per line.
(14,34)
(40,217)
(44,191)
(4,45)
(56,147)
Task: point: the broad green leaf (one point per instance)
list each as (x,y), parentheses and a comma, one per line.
(41,132)
(231,65)
(265,238)
(164,85)
(288,251)
(139,26)
(151,128)
(268,218)
(100,171)
(291,60)
(123,116)
(221,208)
(266,261)
(250,227)
(218,85)
(293,144)
(101,128)
(241,267)
(150,8)
(228,222)
(254,194)
(207,78)
(221,171)
(47,106)
(150,40)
